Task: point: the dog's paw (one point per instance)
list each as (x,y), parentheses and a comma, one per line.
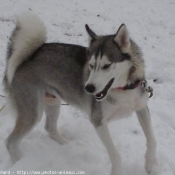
(61,140)
(13,150)
(155,170)
(15,155)
(150,162)
(116,171)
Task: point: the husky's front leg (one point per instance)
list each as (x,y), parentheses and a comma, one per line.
(103,133)
(145,121)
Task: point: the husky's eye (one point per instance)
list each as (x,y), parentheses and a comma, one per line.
(106,66)
(91,66)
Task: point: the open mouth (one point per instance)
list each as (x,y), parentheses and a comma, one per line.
(99,96)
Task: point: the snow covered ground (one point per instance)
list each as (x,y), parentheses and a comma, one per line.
(152,26)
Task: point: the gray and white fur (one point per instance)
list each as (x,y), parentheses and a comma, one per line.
(38,75)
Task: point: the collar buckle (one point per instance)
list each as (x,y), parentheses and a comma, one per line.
(148,89)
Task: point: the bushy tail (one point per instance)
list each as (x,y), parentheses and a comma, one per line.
(27,37)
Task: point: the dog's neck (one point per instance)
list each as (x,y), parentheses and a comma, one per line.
(130,86)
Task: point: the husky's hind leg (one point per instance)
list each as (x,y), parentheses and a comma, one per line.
(29,111)
(52,110)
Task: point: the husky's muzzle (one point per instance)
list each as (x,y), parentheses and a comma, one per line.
(90,88)
(101,95)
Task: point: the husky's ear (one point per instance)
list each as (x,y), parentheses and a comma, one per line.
(122,38)
(92,35)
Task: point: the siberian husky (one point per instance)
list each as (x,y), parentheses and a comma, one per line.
(103,80)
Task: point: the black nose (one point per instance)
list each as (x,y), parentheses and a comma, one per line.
(90,88)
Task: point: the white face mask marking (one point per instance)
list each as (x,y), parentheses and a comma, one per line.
(105,75)
(99,76)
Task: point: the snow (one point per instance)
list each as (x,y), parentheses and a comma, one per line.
(151,25)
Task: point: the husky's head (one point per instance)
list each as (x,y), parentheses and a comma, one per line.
(114,61)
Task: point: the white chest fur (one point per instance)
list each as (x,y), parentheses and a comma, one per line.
(121,103)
